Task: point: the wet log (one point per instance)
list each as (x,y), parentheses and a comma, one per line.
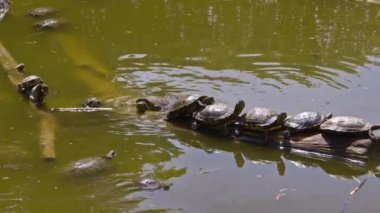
(344,147)
(47,122)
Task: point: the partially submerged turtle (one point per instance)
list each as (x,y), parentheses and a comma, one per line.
(154,103)
(90,166)
(151,184)
(33,88)
(261,119)
(188,105)
(349,125)
(92,102)
(217,115)
(48,24)
(41,11)
(304,121)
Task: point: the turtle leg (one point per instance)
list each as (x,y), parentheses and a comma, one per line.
(286,135)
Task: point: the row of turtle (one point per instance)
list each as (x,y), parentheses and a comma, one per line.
(204,111)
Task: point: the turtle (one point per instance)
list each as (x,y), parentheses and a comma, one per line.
(28,83)
(154,103)
(186,106)
(261,119)
(90,166)
(48,24)
(151,184)
(217,115)
(41,11)
(92,102)
(4,7)
(349,125)
(304,121)
(38,93)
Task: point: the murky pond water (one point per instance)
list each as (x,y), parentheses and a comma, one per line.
(289,55)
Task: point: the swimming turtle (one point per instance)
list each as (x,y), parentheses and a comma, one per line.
(28,83)
(92,102)
(90,166)
(261,119)
(187,105)
(217,115)
(155,103)
(349,125)
(304,121)
(151,184)
(4,7)
(41,11)
(48,24)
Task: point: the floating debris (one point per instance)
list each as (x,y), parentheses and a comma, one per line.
(352,193)
(132,56)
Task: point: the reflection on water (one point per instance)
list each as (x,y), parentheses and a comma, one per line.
(291,55)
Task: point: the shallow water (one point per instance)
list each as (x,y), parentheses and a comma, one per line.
(289,55)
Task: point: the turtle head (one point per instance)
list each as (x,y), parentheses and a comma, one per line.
(143,105)
(328,116)
(206,100)
(239,107)
(282,117)
(110,155)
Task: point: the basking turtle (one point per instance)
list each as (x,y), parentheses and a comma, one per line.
(28,83)
(154,103)
(151,184)
(92,102)
(90,166)
(188,105)
(261,119)
(349,125)
(304,121)
(41,11)
(48,24)
(217,115)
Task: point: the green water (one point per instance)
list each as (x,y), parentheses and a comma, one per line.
(289,55)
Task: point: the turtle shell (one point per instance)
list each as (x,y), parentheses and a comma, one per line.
(346,125)
(261,117)
(4,7)
(219,113)
(187,105)
(154,103)
(90,166)
(48,24)
(29,82)
(305,121)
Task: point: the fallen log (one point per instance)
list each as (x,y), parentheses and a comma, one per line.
(47,122)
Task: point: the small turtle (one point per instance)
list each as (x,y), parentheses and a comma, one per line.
(151,184)
(261,119)
(38,93)
(41,11)
(188,105)
(217,115)
(349,125)
(92,102)
(28,83)
(154,103)
(304,121)
(48,24)
(90,166)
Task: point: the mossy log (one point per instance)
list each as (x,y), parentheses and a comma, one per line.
(47,122)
